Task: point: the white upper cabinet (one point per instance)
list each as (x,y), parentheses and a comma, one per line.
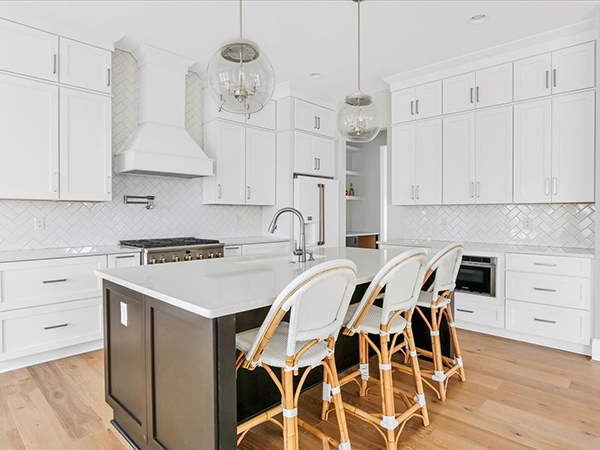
(573,68)
(428,162)
(459,93)
(85,66)
(494,156)
(402,160)
(265,118)
(85,146)
(260,167)
(459,159)
(313,155)
(420,102)
(313,118)
(532,77)
(533,151)
(230,163)
(28,51)
(28,139)
(494,86)
(324,151)
(573,132)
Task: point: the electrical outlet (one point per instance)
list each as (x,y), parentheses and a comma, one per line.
(444,222)
(238,220)
(527,223)
(39,223)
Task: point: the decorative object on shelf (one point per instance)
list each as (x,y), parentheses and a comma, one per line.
(139,200)
(351,191)
(240,76)
(358,117)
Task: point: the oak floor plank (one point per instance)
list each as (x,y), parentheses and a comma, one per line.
(104,439)
(96,360)
(10,437)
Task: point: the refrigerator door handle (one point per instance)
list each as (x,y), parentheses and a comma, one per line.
(321,187)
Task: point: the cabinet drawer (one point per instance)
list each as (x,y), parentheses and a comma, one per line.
(549,289)
(478,312)
(548,321)
(34,283)
(552,265)
(34,330)
(123,260)
(234,250)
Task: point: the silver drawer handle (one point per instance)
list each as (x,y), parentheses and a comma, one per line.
(125,257)
(60,280)
(544,264)
(465,310)
(544,320)
(544,289)
(232,248)
(62,325)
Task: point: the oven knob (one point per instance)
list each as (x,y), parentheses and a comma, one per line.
(219,255)
(163,260)
(152,261)
(188,257)
(200,256)
(176,258)
(211,255)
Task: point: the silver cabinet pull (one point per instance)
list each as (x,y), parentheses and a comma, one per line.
(318,123)
(555,185)
(412,192)
(54,63)
(321,240)
(59,280)
(247,192)
(547,186)
(232,248)
(547,79)
(544,320)
(62,325)
(544,264)
(315,163)
(465,310)
(417,192)
(472,189)
(471,96)
(219,190)
(125,257)
(319,163)
(554,77)
(478,189)
(108,184)
(412,107)
(55,182)
(417,106)
(108,77)
(544,289)
(477,94)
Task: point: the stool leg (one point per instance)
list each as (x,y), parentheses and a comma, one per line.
(290,423)
(388,421)
(436,348)
(363,346)
(339,405)
(454,337)
(412,352)
(326,395)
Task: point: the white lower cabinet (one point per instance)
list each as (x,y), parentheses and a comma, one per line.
(124,260)
(232,250)
(479,312)
(552,290)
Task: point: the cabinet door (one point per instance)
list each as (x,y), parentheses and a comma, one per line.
(459,93)
(85,146)
(28,139)
(532,77)
(494,155)
(533,151)
(264,118)
(305,118)
(459,159)
(28,51)
(324,151)
(231,163)
(494,86)
(573,148)
(428,162)
(260,167)
(403,106)
(325,122)
(428,101)
(573,68)
(85,66)
(403,164)
(304,159)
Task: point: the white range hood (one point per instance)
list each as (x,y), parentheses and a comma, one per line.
(160,145)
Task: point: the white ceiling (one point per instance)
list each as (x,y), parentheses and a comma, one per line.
(307,36)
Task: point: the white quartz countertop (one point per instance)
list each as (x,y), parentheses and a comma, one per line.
(67,252)
(219,287)
(252,240)
(498,248)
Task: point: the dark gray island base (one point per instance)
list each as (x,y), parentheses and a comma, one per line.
(170,374)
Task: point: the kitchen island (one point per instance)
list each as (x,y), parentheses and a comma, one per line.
(169,334)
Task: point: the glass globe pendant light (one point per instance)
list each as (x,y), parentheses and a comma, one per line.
(240,77)
(358,117)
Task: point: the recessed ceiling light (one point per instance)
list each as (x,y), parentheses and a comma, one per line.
(477,19)
(316,75)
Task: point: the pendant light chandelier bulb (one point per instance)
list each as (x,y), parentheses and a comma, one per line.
(358,118)
(240,77)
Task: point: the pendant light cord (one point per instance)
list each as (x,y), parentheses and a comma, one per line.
(240,19)
(358,44)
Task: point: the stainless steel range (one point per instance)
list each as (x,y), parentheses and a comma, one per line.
(165,250)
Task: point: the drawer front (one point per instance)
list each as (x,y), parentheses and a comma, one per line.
(123,260)
(552,265)
(553,290)
(478,312)
(260,249)
(35,283)
(34,330)
(234,250)
(553,322)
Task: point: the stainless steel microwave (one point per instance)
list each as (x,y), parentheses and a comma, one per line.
(477,275)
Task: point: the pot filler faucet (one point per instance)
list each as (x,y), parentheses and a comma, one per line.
(301,251)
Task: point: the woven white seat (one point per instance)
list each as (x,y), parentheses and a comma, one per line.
(372,320)
(426,299)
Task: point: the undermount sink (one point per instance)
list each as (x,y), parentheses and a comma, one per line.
(278,258)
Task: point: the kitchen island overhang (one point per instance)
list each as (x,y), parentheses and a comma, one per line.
(171,329)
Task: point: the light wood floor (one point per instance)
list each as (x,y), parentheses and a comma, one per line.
(516,395)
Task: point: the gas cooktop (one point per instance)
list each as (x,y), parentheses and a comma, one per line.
(168,242)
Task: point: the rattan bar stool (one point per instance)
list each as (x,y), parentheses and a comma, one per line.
(317,301)
(402,278)
(443,267)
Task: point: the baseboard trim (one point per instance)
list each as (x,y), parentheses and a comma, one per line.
(596,350)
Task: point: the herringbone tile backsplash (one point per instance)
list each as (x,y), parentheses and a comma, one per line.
(179,210)
(568,225)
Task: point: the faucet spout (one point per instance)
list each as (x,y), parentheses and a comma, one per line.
(301,251)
